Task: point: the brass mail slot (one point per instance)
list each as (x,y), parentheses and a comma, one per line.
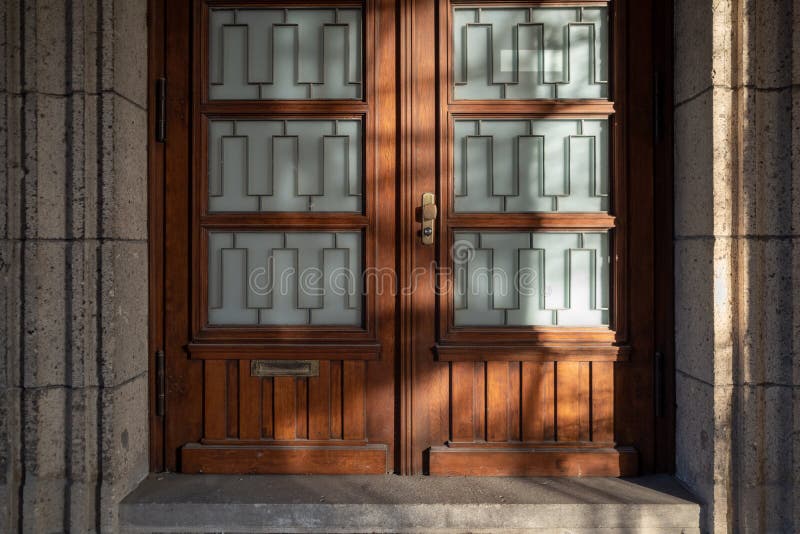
(284,368)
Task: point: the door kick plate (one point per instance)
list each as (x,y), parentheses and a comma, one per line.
(284,368)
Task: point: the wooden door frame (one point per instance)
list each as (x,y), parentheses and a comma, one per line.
(655,112)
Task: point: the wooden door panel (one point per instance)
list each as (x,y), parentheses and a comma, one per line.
(240,408)
(500,403)
(538,401)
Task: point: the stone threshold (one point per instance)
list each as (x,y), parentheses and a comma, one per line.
(253,503)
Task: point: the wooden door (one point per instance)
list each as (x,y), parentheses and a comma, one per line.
(314,317)
(279,201)
(530,350)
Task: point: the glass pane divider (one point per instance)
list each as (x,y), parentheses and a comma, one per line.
(533,108)
(594,221)
(288,108)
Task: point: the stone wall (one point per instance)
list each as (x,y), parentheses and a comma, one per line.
(737,302)
(73,261)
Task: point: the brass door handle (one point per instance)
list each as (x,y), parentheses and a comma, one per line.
(429,213)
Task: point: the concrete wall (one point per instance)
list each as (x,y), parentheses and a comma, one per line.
(737,302)
(73,261)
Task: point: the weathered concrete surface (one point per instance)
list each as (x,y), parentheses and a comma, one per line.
(737,302)
(73,262)
(208,503)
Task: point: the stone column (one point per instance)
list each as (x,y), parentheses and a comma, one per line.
(73,261)
(737,302)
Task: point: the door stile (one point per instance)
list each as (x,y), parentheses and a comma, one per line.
(406,235)
(155,221)
(426,380)
(184,378)
(635,417)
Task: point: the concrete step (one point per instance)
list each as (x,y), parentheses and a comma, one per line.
(214,503)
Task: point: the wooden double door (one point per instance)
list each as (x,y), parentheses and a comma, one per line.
(410,236)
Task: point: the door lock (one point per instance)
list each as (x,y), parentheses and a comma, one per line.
(429,213)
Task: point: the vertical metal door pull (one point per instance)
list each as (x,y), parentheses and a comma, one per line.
(429,213)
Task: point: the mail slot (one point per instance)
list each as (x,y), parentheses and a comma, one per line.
(284,368)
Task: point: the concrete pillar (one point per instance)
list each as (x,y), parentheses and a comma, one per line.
(73,262)
(737,302)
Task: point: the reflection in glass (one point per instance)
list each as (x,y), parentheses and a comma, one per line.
(284,278)
(285,165)
(531,278)
(531,165)
(287,54)
(530,53)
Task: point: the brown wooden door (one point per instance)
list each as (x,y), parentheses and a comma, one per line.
(515,337)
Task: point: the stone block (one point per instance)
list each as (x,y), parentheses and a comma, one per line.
(766,351)
(60,307)
(4,179)
(130,51)
(95,166)
(51,72)
(796,450)
(10,399)
(705,165)
(83,506)
(703,446)
(98,53)
(796,317)
(45,313)
(7,507)
(795,154)
(694,191)
(694,307)
(3,46)
(796,54)
(764,486)
(49,202)
(693,71)
(83,425)
(703,308)
(766,159)
(45,411)
(10,312)
(767,47)
(695,435)
(83,458)
(12,179)
(124,311)
(43,507)
(125,445)
(126,206)
(83,350)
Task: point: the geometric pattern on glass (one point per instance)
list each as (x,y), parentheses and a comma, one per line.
(531,278)
(284,165)
(289,54)
(531,165)
(284,278)
(530,53)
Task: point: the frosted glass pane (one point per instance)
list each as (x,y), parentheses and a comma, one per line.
(532,165)
(291,165)
(289,54)
(285,278)
(531,278)
(530,53)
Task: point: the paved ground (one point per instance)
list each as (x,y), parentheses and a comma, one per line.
(214,503)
